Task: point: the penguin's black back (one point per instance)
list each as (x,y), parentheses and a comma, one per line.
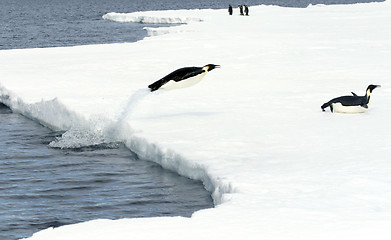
(183,73)
(351,100)
(177,75)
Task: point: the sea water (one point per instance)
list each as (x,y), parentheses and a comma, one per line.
(42,186)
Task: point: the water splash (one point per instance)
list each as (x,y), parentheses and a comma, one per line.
(77,138)
(120,129)
(132,103)
(101,131)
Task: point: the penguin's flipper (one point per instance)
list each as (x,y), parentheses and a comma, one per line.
(325,105)
(354,94)
(364,105)
(156,85)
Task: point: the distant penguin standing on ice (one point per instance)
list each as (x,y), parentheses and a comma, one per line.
(350,104)
(246,10)
(240,9)
(230,11)
(182,78)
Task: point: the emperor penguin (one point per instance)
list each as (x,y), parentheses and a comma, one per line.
(182,78)
(350,104)
(245,9)
(241,9)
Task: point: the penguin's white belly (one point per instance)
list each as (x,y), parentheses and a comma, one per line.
(184,83)
(338,107)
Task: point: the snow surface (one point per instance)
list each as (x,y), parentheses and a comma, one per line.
(253,131)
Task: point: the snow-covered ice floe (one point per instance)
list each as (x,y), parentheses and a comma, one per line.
(169,17)
(253,131)
(143,17)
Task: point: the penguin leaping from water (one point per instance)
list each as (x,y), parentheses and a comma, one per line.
(350,104)
(182,78)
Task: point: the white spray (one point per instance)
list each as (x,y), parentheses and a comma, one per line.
(101,130)
(132,103)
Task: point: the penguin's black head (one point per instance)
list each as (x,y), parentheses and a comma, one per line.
(210,67)
(372,87)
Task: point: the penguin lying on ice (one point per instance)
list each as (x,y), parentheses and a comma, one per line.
(350,104)
(182,78)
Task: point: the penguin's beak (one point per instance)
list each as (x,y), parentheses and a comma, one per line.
(376,86)
(213,67)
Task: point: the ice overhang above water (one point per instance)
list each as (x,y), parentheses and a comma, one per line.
(150,18)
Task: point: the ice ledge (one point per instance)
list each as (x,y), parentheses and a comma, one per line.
(55,115)
(173,161)
(148,19)
(49,113)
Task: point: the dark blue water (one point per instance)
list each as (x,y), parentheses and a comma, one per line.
(42,187)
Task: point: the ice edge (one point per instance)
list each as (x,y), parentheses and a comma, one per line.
(54,115)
